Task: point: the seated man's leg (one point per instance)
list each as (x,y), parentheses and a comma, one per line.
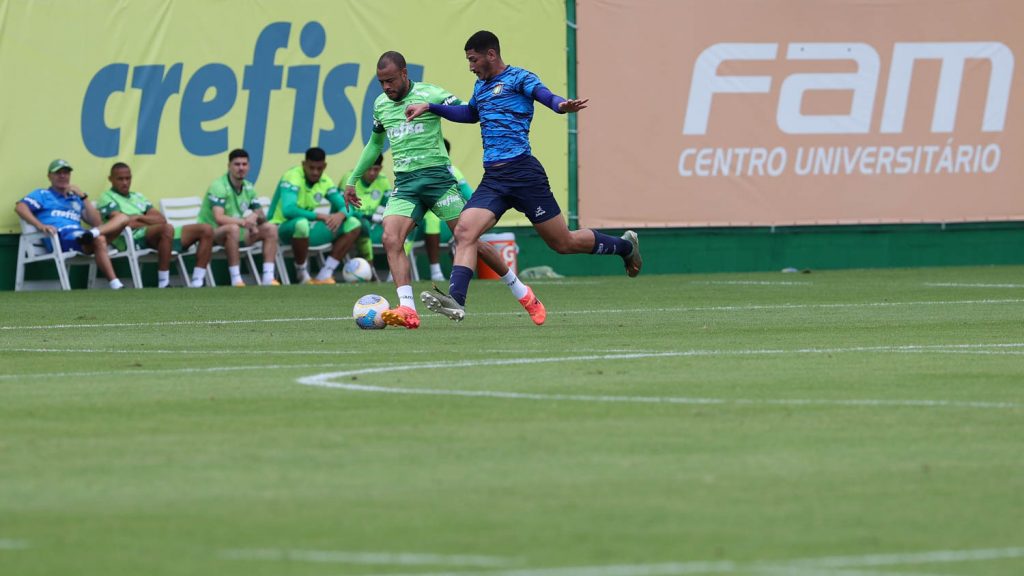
(97,246)
(188,235)
(229,236)
(341,240)
(267,234)
(295,232)
(161,238)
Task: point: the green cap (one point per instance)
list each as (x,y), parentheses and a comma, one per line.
(58,165)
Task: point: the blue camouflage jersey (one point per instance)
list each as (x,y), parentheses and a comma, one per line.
(505,106)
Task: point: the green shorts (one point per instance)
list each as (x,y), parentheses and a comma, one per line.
(319,233)
(431,189)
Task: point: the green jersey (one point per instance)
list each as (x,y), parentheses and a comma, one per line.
(234,202)
(134,204)
(295,198)
(417,144)
(371,195)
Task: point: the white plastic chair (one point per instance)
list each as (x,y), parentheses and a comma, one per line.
(31,248)
(182,211)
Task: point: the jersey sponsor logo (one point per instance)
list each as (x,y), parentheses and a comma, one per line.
(863,83)
(448,200)
(404,129)
(68,214)
(450,100)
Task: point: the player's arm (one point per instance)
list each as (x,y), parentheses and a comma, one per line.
(23,209)
(152,216)
(289,195)
(461,113)
(557,103)
(92,215)
(370,153)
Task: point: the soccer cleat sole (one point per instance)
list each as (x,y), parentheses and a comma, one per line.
(435,305)
(392,319)
(634,262)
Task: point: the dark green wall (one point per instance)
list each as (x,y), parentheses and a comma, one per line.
(668,251)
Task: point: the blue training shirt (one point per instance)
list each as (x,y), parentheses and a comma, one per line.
(55,209)
(505,106)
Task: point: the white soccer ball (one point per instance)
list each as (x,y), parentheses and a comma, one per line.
(357,270)
(368,310)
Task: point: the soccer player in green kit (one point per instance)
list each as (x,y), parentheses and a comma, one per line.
(293,209)
(422,182)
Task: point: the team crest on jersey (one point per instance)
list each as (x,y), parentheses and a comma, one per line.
(244,206)
(497,89)
(318,196)
(375,195)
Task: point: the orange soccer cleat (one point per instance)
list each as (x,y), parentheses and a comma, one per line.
(401,316)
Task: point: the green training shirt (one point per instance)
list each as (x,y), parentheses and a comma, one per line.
(295,198)
(371,195)
(134,204)
(234,202)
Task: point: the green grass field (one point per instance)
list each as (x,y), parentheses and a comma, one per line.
(856,423)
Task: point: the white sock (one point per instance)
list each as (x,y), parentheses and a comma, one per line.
(514,284)
(268,272)
(198,277)
(405,297)
(302,270)
(115,284)
(435,272)
(236,274)
(330,265)
(163,278)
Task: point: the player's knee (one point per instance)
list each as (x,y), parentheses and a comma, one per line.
(100,241)
(301,228)
(231,232)
(167,231)
(205,231)
(390,240)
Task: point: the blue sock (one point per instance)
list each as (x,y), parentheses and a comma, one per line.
(459,284)
(605,244)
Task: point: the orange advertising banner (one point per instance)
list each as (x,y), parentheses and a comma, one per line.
(800,112)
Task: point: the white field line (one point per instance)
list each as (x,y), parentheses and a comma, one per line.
(10,544)
(749,283)
(141,352)
(132,371)
(829,566)
(328,380)
(959,285)
(911,348)
(367,558)
(682,309)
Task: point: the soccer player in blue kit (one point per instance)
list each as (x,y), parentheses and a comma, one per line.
(502,103)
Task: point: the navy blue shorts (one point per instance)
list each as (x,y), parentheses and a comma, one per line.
(521,184)
(68,239)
